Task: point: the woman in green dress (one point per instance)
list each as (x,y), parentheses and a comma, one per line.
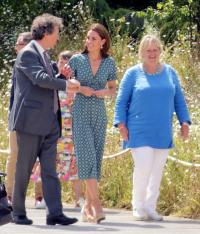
(96,71)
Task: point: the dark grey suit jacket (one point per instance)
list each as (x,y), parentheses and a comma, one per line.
(33,107)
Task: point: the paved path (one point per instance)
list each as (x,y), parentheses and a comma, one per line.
(117,221)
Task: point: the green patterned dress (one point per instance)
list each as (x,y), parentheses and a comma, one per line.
(89,115)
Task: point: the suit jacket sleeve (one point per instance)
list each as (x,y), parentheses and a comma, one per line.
(30,64)
(12,91)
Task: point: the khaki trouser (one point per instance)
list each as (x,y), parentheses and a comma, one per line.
(10,167)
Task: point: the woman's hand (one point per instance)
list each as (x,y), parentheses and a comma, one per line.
(86,91)
(185,131)
(109,92)
(100,93)
(67,71)
(123,131)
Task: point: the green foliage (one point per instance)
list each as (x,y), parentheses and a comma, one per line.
(136,4)
(120,12)
(99,9)
(174,20)
(3,127)
(116,183)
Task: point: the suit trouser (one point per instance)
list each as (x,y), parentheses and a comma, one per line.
(31,146)
(11,164)
(148,167)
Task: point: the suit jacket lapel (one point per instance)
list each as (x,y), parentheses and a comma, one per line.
(49,71)
(32,44)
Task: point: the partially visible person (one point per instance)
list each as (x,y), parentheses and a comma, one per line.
(39,199)
(67,167)
(5,208)
(148,96)
(35,117)
(96,71)
(22,40)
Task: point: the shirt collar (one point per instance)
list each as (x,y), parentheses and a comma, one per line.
(39,48)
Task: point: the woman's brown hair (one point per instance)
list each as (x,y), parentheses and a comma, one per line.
(104,34)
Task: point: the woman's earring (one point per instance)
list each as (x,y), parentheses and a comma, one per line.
(101,47)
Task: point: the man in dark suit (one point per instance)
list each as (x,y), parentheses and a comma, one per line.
(34,116)
(23,39)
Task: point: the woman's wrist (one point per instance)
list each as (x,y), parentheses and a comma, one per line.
(80,89)
(121,126)
(184,124)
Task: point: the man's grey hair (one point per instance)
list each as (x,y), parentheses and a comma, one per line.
(26,37)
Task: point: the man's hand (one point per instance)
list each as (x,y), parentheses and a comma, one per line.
(73,86)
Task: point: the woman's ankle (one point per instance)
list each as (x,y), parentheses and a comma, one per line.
(97,207)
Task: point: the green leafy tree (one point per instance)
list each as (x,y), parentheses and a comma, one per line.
(175,19)
(136,4)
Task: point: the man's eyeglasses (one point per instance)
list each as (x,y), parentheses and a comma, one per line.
(20,44)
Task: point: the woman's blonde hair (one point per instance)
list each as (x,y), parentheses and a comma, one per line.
(146,41)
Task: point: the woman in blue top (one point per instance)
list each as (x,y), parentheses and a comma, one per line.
(96,72)
(149,94)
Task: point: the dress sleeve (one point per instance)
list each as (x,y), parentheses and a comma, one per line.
(72,64)
(112,70)
(123,98)
(180,105)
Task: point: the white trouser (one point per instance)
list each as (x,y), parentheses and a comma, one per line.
(148,167)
